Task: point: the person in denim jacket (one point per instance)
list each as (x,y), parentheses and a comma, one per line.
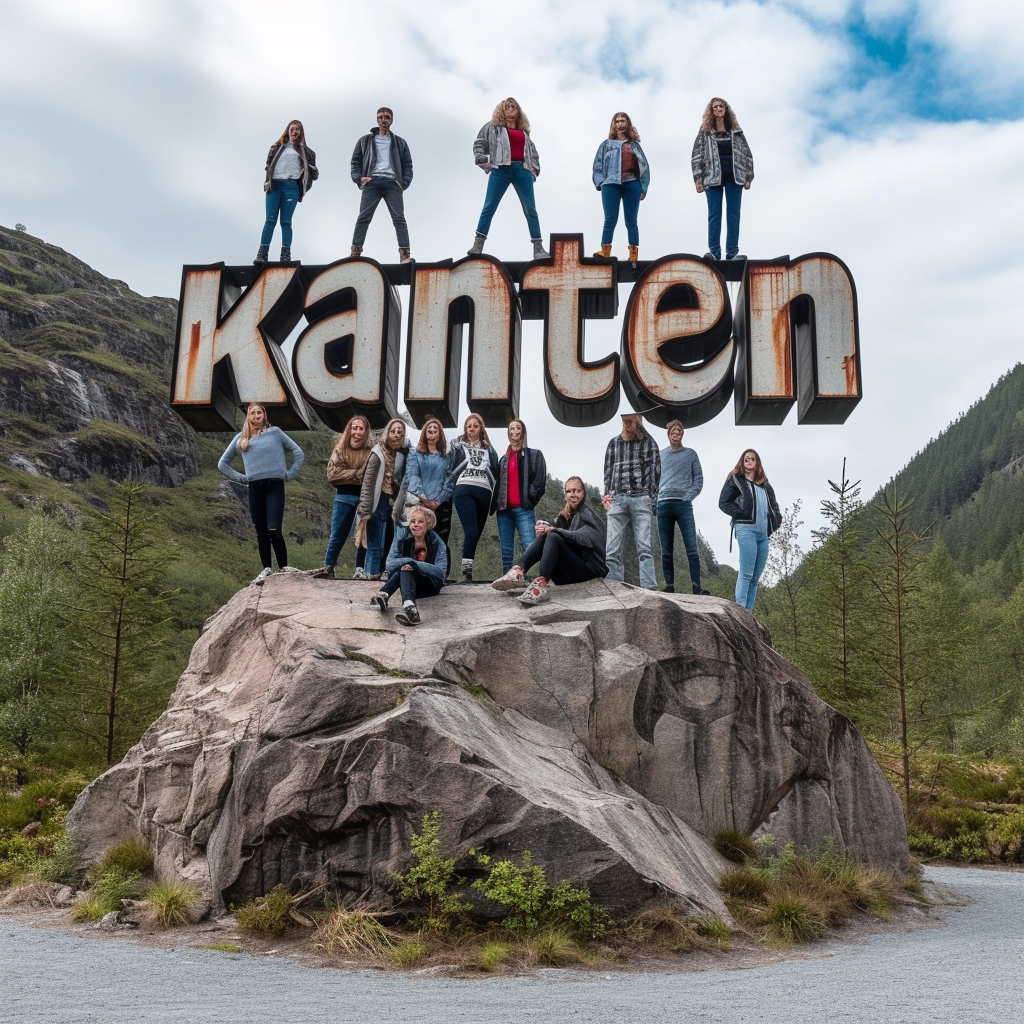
(622,176)
(505,152)
(722,167)
(290,173)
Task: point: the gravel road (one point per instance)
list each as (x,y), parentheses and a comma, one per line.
(972,970)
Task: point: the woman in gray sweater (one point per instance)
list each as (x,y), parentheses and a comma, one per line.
(262,448)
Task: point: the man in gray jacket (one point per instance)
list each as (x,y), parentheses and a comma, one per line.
(382,168)
(681,481)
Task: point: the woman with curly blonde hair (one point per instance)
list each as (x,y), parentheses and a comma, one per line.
(505,152)
(289,175)
(622,176)
(722,163)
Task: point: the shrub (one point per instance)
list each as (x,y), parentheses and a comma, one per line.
(114,886)
(748,884)
(571,907)
(355,933)
(62,864)
(89,909)
(519,888)
(736,846)
(173,902)
(665,925)
(267,915)
(131,857)
(411,952)
(711,926)
(432,877)
(792,917)
(492,955)
(1007,836)
(554,947)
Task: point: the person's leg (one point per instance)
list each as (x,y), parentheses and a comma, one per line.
(396,207)
(393,582)
(375,529)
(465,507)
(746,542)
(343,514)
(666,534)
(444,528)
(522,181)
(610,198)
(630,209)
(369,196)
(483,511)
(714,197)
(498,181)
(532,555)
(506,536)
(642,516)
(275,520)
(561,565)
(688,529)
(258,515)
(407,581)
(426,586)
(526,523)
(289,200)
(389,539)
(618,516)
(733,199)
(760,560)
(273,209)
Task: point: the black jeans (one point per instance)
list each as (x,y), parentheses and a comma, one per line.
(372,193)
(474,506)
(266,509)
(413,584)
(558,562)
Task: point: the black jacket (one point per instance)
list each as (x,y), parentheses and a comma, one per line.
(364,156)
(586,532)
(533,480)
(309,171)
(737,500)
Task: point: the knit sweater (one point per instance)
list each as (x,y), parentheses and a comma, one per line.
(681,476)
(264,459)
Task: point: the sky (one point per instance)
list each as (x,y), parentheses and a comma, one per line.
(887,132)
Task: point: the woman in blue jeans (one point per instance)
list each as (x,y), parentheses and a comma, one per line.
(522,481)
(750,500)
(382,484)
(505,152)
(290,173)
(262,448)
(622,176)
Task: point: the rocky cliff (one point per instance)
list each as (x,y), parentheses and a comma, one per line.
(84,366)
(613,732)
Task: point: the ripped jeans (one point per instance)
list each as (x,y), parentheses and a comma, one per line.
(752,541)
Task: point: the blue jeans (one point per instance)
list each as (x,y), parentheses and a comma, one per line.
(281,199)
(509,521)
(634,508)
(343,515)
(753,544)
(376,531)
(674,512)
(628,194)
(370,195)
(498,181)
(733,199)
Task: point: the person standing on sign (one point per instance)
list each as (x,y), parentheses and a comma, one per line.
(681,482)
(473,465)
(622,176)
(505,152)
(750,500)
(722,163)
(382,168)
(632,470)
(290,173)
(262,448)
(417,565)
(522,481)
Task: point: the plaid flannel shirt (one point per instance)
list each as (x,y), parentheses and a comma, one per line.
(632,467)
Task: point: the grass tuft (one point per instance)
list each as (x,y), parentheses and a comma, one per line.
(173,903)
(132,857)
(410,952)
(745,883)
(554,947)
(356,934)
(267,915)
(492,955)
(222,947)
(735,846)
(794,918)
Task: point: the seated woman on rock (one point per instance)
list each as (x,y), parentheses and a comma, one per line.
(569,551)
(417,565)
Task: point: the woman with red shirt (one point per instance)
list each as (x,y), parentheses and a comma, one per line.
(522,481)
(506,153)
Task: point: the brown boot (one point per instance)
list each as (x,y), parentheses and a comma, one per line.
(605,252)
(404,255)
(634,253)
(357,250)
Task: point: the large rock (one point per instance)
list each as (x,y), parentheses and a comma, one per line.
(612,732)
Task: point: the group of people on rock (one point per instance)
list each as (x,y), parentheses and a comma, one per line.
(399,496)
(504,149)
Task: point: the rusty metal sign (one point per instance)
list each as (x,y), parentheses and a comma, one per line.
(794,339)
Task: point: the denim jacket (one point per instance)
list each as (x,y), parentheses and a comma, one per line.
(427,476)
(707,166)
(608,165)
(492,147)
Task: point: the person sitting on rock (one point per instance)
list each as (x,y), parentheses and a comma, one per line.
(569,551)
(417,565)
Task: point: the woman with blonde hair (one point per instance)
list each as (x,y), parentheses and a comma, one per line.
(570,550)
(750,500)
(473,467)
(262,448)
(345,469)
(427,480)
(290,173)
(505,152)
(722,163)
(622,176)
(417,565)
(382,483)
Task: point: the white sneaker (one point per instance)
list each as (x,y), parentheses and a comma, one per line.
(262,578)
(512,580)
(359,574)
